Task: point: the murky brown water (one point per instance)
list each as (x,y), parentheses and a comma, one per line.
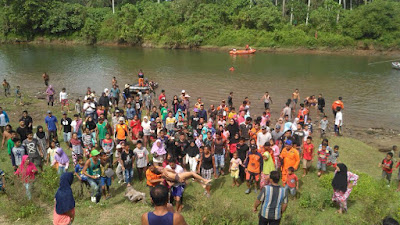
(371,93)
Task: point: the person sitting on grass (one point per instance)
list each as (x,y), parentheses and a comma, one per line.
(64,210)
(163,212)
(292,182)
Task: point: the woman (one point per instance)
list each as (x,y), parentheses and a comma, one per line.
(192,156)
(43,140)
(342,184)
(158,151)
(91,124)
(50,95)
(26,171)
(175,104)
(62,160)
(136,127)
(64,210)
(76,147)
(6,135)
(207,168)
(146,125)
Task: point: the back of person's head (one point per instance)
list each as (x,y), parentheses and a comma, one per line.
(159,195)
(390,154)
(275,176)
(389,221)
(291,169)
(336,147)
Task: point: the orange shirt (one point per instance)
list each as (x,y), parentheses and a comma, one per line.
(290,158)
(336,104)
(302,114)
(122,131)
(253,133)
(254,162)
(151,176)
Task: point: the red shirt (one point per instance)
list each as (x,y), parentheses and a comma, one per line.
(291,180)
(308,151)
(388,164)
(323,155)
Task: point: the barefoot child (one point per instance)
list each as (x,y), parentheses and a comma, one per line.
(333,158)
(292,182)
(323,125)
(322,158)
(308,155)
(234,169)
(105,175)
(387,167)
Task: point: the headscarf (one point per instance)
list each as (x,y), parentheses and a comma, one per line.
(61,157)
(50,90)
(64,197)
(177,114)
(26,172)
(294,124)
(158,150)
(339,182)
(192,151)
(39,134)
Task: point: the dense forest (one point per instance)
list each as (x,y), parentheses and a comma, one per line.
(363,24)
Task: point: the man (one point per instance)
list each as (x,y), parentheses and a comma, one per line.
(290,157)
(321,103)
(263,137)
(104,101)
(298,135)
(203,112)
(254,166)
(337,103)
(91,169)
(277,133)
(274,201)
(230,100)
(4,120)
(287,111)
(153,176)
(90,108)
(242,148)
(27,120)
(212,112)
(219,146)
(302,114)
(34,150)
(51,123)
(338,121)
(244,129)
(163,213)
(194,119)
(66,123)
(177,189)
(22,130)
(121,130)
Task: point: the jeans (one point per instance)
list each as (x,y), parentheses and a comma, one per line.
(28,190)
(66,136)
(61,170)
(219,162)
(95,186)
(128,175)
(120,173)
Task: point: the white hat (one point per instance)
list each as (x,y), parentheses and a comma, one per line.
(187,96)
(183,91)
(119,146)
(121,119)
(106,90)
(126,85)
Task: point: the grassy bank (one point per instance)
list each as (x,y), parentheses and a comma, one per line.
(370,201)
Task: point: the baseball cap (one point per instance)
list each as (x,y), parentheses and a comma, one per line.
(121,119)
(183,91)
(48,112)
(64,113)
(117,111)
(263,127)
(252,147)
(196,110)
(94,152)
(278,127)
(288,142)
(119,146)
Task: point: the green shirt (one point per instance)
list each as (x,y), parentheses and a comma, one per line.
(10,146)
(102,130)
(164,113)
(268,164)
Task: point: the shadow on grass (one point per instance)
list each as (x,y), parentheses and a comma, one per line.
(218,183)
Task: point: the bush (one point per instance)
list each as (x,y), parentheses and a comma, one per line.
(47,183)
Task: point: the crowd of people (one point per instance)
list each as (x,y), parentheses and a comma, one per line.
(170,141)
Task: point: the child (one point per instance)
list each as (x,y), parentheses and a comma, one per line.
(87,140)
(78,173)
(309,125)
(234,169)
(323,125)
(17,152)
(18,96)
(105,175)
(322,158)
(51,152)
(2,179)
(292,182)
(387,167)
(107,145)
(76,147)
(27,172)
(64,99)
(78,107)
(62,160)
(142,158)
(333,158)
(308,155)
(6,87)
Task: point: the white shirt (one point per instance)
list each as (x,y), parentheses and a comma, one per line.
(263,138)
(3,122)
(63,95)
(146,127)
(89,107)
(339,119)
(178,170)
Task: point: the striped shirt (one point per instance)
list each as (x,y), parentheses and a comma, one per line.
(272,197)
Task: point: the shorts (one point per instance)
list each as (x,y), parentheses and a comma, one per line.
(207,174)
(321,166)
(250,176)
(332,164)
(67,136)
(306,164)
(37,161)
(83,177)
(64,102)
(219,160)
(292,191)
(235,173)
(177,191)
(105,181)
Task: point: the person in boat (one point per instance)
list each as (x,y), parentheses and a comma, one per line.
(247,47)
(141,78)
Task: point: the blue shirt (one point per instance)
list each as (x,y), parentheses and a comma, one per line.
(51,123)
(130,113)
(272,197)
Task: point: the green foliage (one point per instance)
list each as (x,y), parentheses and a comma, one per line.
(47,184)
(324,18)
(64,18)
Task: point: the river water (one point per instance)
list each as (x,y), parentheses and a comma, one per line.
(370,93)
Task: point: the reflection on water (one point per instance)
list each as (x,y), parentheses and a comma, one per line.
(370,93)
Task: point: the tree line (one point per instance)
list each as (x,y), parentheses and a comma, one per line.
(193,23)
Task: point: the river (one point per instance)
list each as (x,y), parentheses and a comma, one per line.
(370,93)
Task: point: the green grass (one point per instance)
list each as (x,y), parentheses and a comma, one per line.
(369,203)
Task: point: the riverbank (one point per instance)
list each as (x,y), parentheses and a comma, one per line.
(359,50)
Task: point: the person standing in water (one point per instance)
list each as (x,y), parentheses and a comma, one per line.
(267,100)
(141,78)
(46,79)
(295,98)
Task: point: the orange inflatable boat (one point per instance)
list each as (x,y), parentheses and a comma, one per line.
(242,52)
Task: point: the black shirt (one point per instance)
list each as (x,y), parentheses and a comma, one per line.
(230,103)
(233,130)
(207,162)
(298,137)
(127,159)
(321,102)
(242,151)
(66,123)
(154,115)
(22,131)
(194,120)
(91,125)
(27,120)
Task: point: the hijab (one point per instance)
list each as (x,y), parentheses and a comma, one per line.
(339,182)
(50,90)
(39,134)
(158,150)
(61,157)
(192,151)
(64,197)
(26,172)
